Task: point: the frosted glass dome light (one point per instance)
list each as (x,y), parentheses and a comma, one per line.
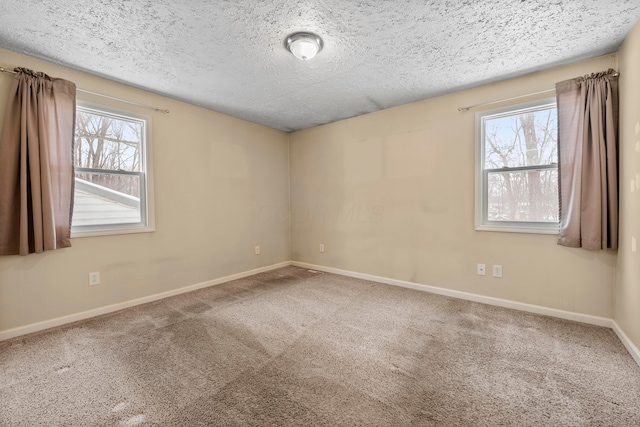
(304,46)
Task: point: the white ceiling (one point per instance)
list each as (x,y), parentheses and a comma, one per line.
(229,55)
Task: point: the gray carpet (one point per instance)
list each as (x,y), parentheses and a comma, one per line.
(298,348)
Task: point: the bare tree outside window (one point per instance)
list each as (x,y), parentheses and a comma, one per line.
(110,170)
(520,175)
(108,144)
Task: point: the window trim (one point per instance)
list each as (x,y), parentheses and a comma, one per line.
(147,211)
(481,175)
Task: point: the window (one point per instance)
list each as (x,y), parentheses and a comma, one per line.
(112,173)
(517,169)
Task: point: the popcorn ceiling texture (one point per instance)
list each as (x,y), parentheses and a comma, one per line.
(229,55)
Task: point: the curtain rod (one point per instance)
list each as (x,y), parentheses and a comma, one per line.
(161,110)
(503,100)
(616,74)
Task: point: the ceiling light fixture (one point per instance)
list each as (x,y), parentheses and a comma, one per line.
(303,46)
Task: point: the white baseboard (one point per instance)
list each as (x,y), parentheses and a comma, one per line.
(35,327)
(631,348)
(578,317)
(562,314)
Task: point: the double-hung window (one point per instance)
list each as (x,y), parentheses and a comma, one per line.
(517,168)
(112,173)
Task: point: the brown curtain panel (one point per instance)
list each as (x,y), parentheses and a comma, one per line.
(36,164)
(588,161)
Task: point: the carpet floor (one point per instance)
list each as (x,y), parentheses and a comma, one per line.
(293,347)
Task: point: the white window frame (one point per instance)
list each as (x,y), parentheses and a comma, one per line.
(482,223)
(147,212)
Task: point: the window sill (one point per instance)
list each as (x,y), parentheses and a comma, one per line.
(110,232)
(518,229)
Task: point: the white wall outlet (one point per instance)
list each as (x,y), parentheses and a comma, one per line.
(94,278)
(321,247)
(257,249)
(482,270)
(497,271)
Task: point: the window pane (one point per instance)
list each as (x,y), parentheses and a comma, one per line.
(107,142)
(102,199)
(523,196)
(526,139)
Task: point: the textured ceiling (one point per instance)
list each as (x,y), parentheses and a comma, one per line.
(229,55)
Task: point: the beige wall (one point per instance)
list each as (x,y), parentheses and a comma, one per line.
(389,193)
(627,307)
(392,194)
(221,187)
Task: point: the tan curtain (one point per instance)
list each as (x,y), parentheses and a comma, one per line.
(36,164)
(588,161)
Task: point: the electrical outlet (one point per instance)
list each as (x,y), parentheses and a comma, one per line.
(321,247)
(257,250)
(482,270)
(497,271)
(94,278)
